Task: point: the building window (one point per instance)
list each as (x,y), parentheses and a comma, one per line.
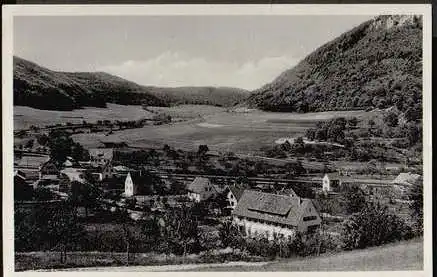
(308,218)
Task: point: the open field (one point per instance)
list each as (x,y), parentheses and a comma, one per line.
(405,255)
(220,130)
(24,117)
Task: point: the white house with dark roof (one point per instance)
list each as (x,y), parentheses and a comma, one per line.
(233,194)
(201,189)
(331,182)
(274,216)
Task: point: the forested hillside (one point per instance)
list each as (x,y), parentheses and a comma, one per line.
(378,64)
(41,88)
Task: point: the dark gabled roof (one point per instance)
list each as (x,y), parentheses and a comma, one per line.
(48,164)
(269,207)
(199,184)
(237,190)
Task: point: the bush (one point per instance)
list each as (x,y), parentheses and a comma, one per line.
(373,226)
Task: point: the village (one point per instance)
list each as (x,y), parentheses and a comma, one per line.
(271,203)
(217,143)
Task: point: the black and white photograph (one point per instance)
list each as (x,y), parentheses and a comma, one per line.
(275,140)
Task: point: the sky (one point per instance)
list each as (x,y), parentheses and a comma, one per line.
(170,51)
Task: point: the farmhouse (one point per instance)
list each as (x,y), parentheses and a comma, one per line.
(201,189)
(103,171)
(233,194)
(274,216)
(331,182)
(120,171)
(48,170)
(68,175)
(100,156)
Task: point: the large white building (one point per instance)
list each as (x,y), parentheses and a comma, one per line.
(274,215)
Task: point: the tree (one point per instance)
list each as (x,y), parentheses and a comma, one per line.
(63,228)
(230,235)
(60,147)
(85,195)
(416,197)
(48,227)
(391,119)
(355,199)
(299,145)
(373,226)
(166,148)
(42,139)
(352,122)
(311,134)
(29,144)
(182,231)
(203,149)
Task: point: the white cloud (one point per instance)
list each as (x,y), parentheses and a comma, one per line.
(173,69)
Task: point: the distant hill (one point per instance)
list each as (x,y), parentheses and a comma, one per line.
(378,64)
(42,88)
(216,96)
(39,87)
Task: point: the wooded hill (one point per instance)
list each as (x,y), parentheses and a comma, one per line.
(39,87)
(42,88)
(377,64)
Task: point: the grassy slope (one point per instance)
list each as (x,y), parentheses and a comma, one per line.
(376,64)
(407,255)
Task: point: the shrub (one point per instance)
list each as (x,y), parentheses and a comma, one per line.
(373,226)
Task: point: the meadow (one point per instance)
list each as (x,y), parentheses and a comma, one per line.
(221,129)
(24,117)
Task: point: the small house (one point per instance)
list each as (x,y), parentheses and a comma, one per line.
(405,181)
(68,175)
(49,171)
(22,191)
(275,216)
(100,156)
(233,195)
(103,171)
(331,182)
(201,189)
